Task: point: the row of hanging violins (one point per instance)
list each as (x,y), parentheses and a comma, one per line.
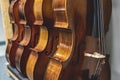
(59,39)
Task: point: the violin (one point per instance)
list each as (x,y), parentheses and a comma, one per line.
(18,31)
(95,63)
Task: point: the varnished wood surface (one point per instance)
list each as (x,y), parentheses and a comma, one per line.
(22,11)
(10,41)
(30,39)
(38,57)
(23,54)
(17,32)
(44,45)
(59,46)
(23,51)
(61,55)
(53,69)
(12,20)
(38,66)
(70,12)
(30,11)
(60,13)
(43,39)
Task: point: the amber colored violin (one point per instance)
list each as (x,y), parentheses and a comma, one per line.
(95,64)
(17,32)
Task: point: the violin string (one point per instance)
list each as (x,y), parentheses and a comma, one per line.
(99,39)
(96,22)
(101,34)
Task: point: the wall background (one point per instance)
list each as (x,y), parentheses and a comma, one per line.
(113,40)
(2,38)
(4,4)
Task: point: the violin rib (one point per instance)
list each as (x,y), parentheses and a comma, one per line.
(12,20)
(60,13)
(53,70)
(20,49)
(38,12)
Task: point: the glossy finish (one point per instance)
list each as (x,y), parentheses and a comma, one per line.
(17,32)
(31,39)
(43,39)
(11,11)
(60,13)
(9,45)
(64,52)
(61,55)
(53,70)
(57,35)
(38,12)
(32,60)
(22,11)
(48,38)
(20,49)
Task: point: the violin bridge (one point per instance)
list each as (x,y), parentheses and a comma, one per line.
(95,55)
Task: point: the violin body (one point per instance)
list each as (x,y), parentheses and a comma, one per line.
(17,32)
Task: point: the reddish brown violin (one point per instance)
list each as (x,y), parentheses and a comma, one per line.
(17,32)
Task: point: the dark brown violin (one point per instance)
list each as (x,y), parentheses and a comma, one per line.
(95,64)
(17,32)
